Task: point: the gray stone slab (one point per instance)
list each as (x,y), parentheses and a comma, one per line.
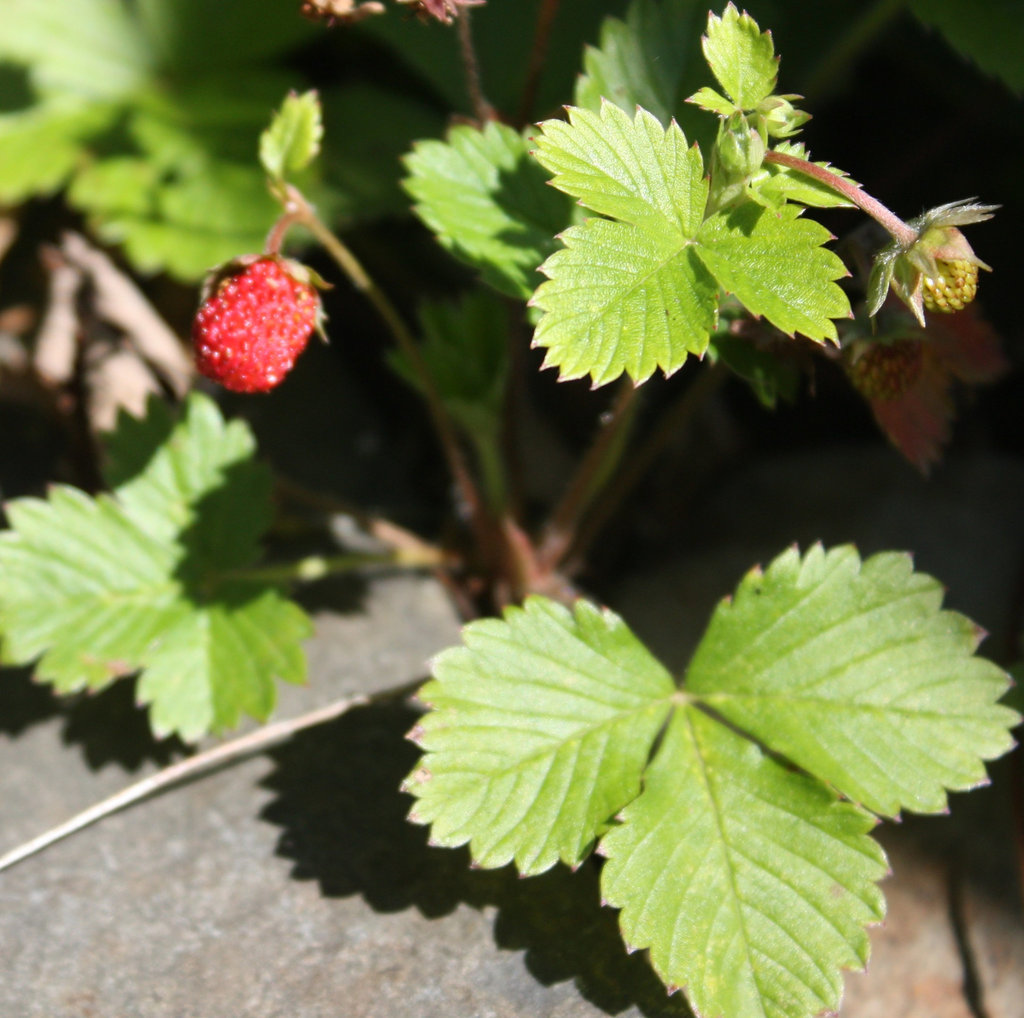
(291,885)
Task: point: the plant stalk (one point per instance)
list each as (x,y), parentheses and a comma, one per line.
(593,470)
(676,419)
(538,55)
(899,230)
(482,109)
(300,212)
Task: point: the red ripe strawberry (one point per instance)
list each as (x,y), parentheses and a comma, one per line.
(253,324)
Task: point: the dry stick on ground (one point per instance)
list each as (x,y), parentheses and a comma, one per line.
(193,767)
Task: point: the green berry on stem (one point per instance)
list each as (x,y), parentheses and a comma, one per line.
(256,317)
(884,371)
(952,288)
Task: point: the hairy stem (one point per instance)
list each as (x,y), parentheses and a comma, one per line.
(538,54)
(192,767)
(900,231)
(675,420)
(302,213)
(595,467)
(482,109)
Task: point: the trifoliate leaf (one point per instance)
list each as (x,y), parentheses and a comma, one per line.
(541,725)
(750,884)
(741,57)
(292,140)
(625,296)
(774,264)
(146,578)
(650,59)
(853,672)
(488,203)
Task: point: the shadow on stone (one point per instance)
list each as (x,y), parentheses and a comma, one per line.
(23,702)
(343,594)
(111,728)
(344,826)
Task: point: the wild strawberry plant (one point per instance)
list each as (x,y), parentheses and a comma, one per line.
(733,803)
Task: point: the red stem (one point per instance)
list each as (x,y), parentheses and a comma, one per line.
(538,54)
(905,235)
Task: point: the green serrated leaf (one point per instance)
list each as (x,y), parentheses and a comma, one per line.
(195,480)
(741,57)
(750,884)
(853,672)
(541,725)
(625,296)
(144,579)
(292,141)
(623,299)
(710,100)
(627,167)
(488,203)
(773,262)
(650,59)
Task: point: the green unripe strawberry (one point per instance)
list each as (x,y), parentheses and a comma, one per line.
(937,270)
(953,288)
(884,371)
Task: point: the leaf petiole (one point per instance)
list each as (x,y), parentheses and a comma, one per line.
(902,233)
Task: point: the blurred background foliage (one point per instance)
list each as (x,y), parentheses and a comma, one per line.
(145,114)
(138,121)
